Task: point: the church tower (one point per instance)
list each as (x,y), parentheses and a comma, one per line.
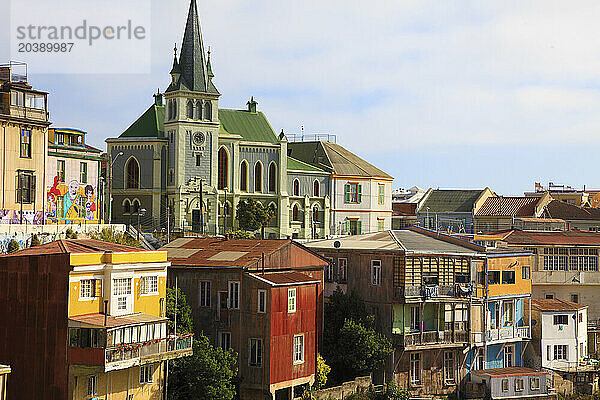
(192,128)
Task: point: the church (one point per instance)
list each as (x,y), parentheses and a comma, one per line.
(185,163)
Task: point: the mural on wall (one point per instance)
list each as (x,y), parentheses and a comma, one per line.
(71,203)
(14,217)
(24,240)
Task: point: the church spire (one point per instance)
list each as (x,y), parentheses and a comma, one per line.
(192,61)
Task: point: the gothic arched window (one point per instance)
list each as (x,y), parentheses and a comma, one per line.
(272,177)
(316,188)
(296,213)
(133,174)
(126,207)
(199,109)
(223,167)
(258,177)
(136,206)
(190,109)
(316,213)
(296,188)
(244,176)
(208,110)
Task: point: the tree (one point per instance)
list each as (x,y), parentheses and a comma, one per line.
(35,241)
(252,216)
(13,245)
(70,234)
(207,374)
(111,236)
(322,371)
(351,344)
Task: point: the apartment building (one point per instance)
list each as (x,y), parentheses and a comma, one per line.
(261,298)
(24,125)
(85,319)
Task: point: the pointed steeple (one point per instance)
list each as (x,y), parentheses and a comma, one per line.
(175,70)
(194,67)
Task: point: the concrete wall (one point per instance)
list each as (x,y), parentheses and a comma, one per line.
(342,391)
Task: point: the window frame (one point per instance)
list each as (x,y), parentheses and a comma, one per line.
(233,287)
(83,172)
(381,194)
(526,272)
(261,293)
(147,284)
(504,385)
(415,374)
(298,340)
(557,318)
(204,294)
(146,372)
(92,385)
(223,334)
(449,368)
(25,143)
(291,300)
(534,383)
(255,358)
(521,387)
(376,273)
(342,269)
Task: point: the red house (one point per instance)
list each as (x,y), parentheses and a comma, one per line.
(261,298)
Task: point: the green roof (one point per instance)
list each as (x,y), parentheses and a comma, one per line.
(297,165)
(150,124)
(440,200)
(251,126)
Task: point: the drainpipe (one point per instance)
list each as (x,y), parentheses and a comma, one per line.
(105,311)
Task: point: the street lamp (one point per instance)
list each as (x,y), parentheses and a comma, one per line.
(110,198)
(140,213)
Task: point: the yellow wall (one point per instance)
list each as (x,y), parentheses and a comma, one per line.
(81,307)
(512,263)
(122,383)
(78,259)
(148,303)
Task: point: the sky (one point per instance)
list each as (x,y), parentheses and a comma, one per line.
(442,94)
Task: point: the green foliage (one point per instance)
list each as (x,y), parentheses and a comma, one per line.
(35,241)
(351,344)
(185,323)
(239,234)
(70,234)
(251,215)
(208,374)
(322,371)
(13,245)
(395,392)
(109,235)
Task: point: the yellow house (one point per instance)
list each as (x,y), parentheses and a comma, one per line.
(117,338)
(4,372)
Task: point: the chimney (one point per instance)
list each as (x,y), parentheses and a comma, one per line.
(252,105)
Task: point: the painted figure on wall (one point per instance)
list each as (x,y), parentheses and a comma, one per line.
(90,203)
(74,202)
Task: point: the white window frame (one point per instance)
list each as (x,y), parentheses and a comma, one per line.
(521,387)
(509,356)
(91,290)
(298,349)
(534,383)
(149,285)
(222,341)
(480,359)
(291,300)
(233,295)
(416,367)
(561,352)
(257,362)
(504,384)
(204,294)
(449,368)
(375,272)
(261,293)
(92,385)
(146,372)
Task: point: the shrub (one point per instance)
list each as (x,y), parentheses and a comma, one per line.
(13,245)
(34,241)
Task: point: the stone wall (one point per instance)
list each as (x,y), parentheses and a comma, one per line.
(360,384)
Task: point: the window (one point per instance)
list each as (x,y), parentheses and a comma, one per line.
(295,213)
(258,177)
(352,193)
(92,386)
(549,352)
(262,301)
(25,143)
(381,199)
(505,384)
(133,174)
(225,340)
(208,110)
(508,277)
(583,259)
(380,225)
(90,288)
(136,206)
(146,373)
(415,368)
(431,280)
(342,269)
(534,383)
(556,259)
(376,272)
(149,284)
(574,297)
(508,355)
(549,296)
(507,313)
(415,318)
(560,352)
(354,226)
(121,288)
(493,277)
(83,172)
(316,187)
(234,295)
(81,207)
(561,319)
(126,207)
(190,109)
(198,160)
(296,188)
(449,367)
(461,277)
(17,99)
(223,166)
(272,177)
(298,349)
(525,272)
(519,385)
(255,352)
(244,176)
(25,187)
(291,300)
(328,271)
(204,294)
(480,360)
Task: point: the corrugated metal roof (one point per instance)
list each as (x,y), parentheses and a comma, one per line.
(508,371)
(97,320)
(297,165)
(508,206)
(149,124)
(286,278)
(67,246)
(532,238)
(555,305)
(450,201)
(566,211)
(253,127)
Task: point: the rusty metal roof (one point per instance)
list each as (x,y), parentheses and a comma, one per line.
(286,278)
(532,238)
(508,371)
(555,305)
(97,320)
(65,246)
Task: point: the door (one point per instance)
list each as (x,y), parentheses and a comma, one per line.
(509,351)
(196,221)
(222,307)
(415,319)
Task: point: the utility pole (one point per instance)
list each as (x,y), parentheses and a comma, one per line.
(168,228)
(201,210)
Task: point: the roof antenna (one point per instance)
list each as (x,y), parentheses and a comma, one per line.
(175,49)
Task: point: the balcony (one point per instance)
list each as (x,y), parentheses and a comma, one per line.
(432,339)
(433,291)
(128,355)
(505,334)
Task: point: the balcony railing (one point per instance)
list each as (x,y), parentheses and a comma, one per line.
(502,334)
(434,338)
(126,355)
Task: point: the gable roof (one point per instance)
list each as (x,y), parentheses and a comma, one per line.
(450,200)
(150,124)
(555,305)
(335,159)
(68,246)
(251,126)
(560,209)
(532,238)
(508,206)
(297,165)
(286,278)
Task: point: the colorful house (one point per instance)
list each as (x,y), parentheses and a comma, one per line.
(72,178)
(85,319)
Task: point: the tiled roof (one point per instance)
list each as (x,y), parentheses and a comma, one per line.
(334,158)
(286,278)
(508,206)
(555,305)
(566,211)
(64,246)
(532,238)
(508,371)
(97,320)
(404,208)
(444,200)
